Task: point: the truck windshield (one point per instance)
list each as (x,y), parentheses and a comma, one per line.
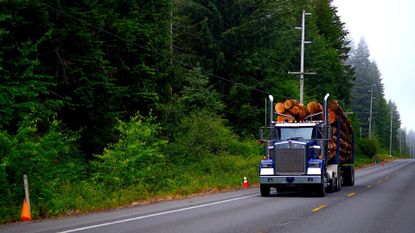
(290,133)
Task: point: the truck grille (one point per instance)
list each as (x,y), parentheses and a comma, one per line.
(290,161)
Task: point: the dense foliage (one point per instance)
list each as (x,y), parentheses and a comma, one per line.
(103,103)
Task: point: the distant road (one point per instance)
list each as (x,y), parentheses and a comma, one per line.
(382,200)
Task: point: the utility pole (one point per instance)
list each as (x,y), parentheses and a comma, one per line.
(410,142)
(400,141)
(303,41)
(390,136)
(370,112)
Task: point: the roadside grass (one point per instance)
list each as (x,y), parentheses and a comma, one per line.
(217,174)
(211,175)
(362,161)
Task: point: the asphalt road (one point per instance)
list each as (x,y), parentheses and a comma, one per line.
(382,200)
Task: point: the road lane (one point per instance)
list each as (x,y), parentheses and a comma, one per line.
(157,214)
(378,192)
(386,206)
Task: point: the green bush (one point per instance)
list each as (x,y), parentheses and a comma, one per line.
(207,154)
(4,185)
(50,160)
(136,159)
(201,135)
(367,147)
(4,188)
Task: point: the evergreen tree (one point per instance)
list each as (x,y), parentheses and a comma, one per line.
(396,126)
(335,36)
(109,62)
(25,89)
(368,79)
(363,85)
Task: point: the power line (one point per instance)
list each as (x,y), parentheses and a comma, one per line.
(184,65)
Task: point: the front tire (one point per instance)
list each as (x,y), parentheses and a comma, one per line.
(265,190)
(332,184)
(339,180)
(321,189)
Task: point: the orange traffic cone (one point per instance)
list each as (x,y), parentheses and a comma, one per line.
(246,185)
(25,212)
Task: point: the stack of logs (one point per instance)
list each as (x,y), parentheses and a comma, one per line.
(345,129)
(291,111)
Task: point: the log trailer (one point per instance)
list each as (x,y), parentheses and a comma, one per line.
(307,149)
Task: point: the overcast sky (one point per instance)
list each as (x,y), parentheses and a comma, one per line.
(389,30)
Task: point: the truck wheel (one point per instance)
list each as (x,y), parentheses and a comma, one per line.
(339,181)
(348,176)
(320,188)
(265,190)
(352,176)
(332,184)
(330,187)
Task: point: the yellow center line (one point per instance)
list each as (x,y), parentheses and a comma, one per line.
(319,208)
(351,194)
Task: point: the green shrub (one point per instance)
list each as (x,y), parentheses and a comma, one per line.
(49,160)
(136,159)
(367,147)
(4,185)
(209,155)
(201,135)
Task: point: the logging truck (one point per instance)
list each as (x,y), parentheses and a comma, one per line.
(309,148)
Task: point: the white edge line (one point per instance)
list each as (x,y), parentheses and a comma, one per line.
(157,214)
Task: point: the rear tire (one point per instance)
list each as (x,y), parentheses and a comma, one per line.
(352,177)
(348,176)
(265,190)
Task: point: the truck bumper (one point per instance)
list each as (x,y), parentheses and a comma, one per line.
(290,179)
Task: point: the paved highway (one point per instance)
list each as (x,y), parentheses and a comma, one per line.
(382,200)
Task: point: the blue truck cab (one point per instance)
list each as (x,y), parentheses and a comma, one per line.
(297,158)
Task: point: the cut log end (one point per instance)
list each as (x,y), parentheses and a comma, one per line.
(295,110)
(280,108)
(289,103)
